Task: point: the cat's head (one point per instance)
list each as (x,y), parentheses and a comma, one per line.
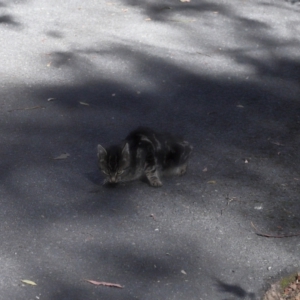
(114,162)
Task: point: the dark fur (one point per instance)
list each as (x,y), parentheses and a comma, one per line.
(144,153)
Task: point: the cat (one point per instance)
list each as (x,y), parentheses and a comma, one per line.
(144,154)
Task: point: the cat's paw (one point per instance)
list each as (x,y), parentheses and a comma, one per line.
(182,170)
(155,182)
(106,183)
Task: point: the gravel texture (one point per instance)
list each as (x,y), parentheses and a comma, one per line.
(224,74)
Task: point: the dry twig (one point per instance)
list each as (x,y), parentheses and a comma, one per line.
(274,235)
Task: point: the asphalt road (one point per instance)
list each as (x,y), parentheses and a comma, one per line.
(224,74)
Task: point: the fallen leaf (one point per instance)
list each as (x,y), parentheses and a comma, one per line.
(28,282)
(84,103)
(293,286)
(204,170)
(105,283)
(287,290)
(240,106)
(277,143)
(50,99)
(246,161)
(212,182)
(274,236)
(258,207)
(152,216)
(183,272)
(62,156)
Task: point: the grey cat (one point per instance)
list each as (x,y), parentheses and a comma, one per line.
(144,154)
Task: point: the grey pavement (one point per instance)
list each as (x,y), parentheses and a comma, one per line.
(224,74)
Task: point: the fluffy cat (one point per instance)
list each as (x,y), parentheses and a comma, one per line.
(144,153)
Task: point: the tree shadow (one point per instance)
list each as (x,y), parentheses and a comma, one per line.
(235,290)
(164,12)
(55,34)
(265,119)
(8,20)
(229,121)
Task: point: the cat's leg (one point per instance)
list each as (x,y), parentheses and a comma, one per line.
(187,149)
(182,169)
(151,168)
(152,175)
(176,170)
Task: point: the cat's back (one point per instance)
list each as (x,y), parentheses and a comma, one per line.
(143,135)
(161,142)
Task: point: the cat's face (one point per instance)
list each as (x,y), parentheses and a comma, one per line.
(114,162)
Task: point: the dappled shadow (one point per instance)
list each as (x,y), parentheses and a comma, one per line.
(9,21)
(69,291)
(237,120)
(293,1)
(165,11)
(244,125)
(48,191)
(61,59)
(170,11)
(55,34)
(235,290)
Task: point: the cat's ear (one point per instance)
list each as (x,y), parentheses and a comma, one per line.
(126,155)
(101,152)
(125,150)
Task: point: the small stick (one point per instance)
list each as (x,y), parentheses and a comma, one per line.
(26,108)
(273,236)
(116,285)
